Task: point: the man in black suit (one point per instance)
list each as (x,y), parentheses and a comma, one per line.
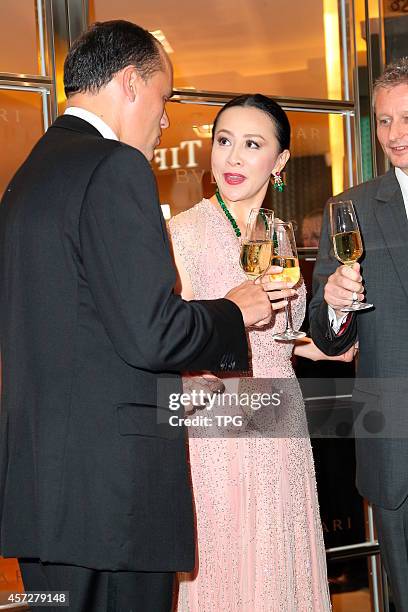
(381,417)
(94,489)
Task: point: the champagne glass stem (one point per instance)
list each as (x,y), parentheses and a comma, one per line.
(288,327)
(355,301)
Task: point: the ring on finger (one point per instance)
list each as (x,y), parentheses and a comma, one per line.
(354,296)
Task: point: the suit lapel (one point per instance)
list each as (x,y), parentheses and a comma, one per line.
(391,216)
(164,229)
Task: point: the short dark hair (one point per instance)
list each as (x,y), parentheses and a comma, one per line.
(105,49)
(267,106)
(315,213)
(393,75)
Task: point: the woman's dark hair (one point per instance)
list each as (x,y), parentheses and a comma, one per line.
(268,106)
(107,47)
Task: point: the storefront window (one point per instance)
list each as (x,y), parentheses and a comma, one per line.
(395,29)
(350,584)
(290,49)
(19,51)
(21,125)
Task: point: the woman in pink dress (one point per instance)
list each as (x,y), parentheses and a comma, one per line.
(259,538)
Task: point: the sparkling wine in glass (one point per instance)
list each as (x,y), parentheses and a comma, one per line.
(347,242)
(285,255)
(256,246)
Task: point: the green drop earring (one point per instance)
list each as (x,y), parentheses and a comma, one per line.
(278,184)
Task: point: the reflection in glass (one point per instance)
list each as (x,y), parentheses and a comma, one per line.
(182,162)
(364,89)
(18,37)
(10,581)
(341,506)
(327,388)
(278,48)
(333,54)
(395,29)
(317,167)
(21,125)
(350,587)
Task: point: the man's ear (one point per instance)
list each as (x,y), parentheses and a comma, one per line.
(130,82)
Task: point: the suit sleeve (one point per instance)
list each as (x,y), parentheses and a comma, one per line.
(320,328)
(131,276)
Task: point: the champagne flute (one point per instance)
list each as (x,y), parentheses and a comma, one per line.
(256,246)
(347,242)
(285,255)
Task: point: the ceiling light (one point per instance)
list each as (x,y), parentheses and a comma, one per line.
(161,37)
(203,131)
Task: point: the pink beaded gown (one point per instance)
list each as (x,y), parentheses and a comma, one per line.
(259,538)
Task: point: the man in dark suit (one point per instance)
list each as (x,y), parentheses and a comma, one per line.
(381,408)
(94,489)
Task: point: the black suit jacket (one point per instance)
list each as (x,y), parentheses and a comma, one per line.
(381,390)
(92,338)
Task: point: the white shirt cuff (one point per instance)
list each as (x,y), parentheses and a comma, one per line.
(335,323)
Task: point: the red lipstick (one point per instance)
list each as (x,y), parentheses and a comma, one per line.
(234,179)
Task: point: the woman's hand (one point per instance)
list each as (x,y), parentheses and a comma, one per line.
(307,348)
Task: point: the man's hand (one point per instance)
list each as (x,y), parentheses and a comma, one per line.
(199,386)
(258,299)
(278,291)
(253,301)
(341,285)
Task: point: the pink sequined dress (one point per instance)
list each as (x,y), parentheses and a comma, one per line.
(259,537)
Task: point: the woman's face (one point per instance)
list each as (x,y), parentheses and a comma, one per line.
(245,152)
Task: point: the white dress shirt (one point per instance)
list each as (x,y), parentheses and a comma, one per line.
(402,179)
(102,127)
